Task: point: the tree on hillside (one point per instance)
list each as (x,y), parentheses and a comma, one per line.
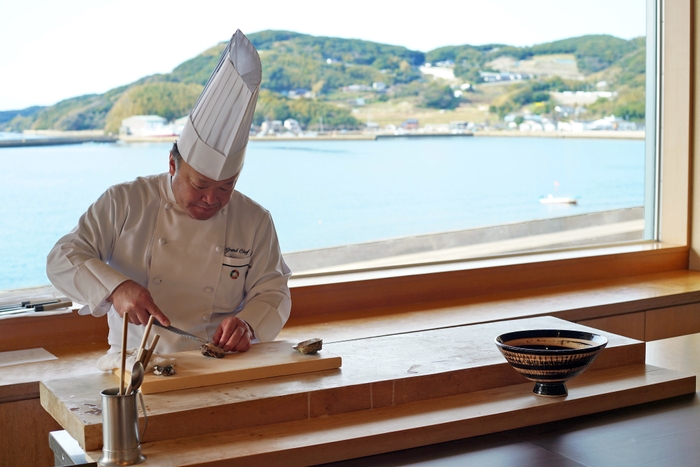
(78,113)
(7,115)
(18,124)
(632,68)
(593,52)
(283,73)
(198,69)
(272,106)
(439,96)
(349,51)
(326,64)
(168,100)
(266,40)
(468,60)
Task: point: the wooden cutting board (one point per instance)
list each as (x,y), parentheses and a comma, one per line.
(265,360)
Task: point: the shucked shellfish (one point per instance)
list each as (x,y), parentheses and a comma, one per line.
(164,370)
(211,350)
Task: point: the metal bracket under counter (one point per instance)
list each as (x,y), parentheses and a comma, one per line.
(66,450)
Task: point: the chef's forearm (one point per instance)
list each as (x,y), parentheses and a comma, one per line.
(77,264)
(81,277)
(62,265)
(96,281)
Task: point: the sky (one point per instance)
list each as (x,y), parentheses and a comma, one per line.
(53,50)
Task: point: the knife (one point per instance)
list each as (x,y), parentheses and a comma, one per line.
(31,303)
(181,332)
(39,307)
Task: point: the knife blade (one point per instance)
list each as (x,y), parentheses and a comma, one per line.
(181,332)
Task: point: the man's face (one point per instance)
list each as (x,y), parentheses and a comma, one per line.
(200,196)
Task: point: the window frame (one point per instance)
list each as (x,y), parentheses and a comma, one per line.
(430,285)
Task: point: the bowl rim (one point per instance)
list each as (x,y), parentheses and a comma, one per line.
(599,341)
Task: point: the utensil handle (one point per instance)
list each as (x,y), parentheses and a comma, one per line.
(145,417)
(125,330)
(149,353)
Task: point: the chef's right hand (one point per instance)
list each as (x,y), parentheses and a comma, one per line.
(136,299)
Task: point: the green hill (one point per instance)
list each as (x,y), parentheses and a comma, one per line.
(339,74)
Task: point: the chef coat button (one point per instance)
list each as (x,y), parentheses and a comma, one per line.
(157,280)
(218,249)
(168,205)
(209,290)
(205,317)
(162,241)
(223,212)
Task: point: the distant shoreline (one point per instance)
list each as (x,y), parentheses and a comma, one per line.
(57,138)
(56,141)
(594,134)
(349,136)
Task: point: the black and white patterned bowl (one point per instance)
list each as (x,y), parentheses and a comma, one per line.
(550,357)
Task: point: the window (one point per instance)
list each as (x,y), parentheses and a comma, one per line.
(458,276)
(447,281)
(394,202)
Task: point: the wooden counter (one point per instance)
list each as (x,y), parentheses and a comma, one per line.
(396,391)
(645,307)
(78,342)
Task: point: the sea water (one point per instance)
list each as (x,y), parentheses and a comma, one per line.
(327,193)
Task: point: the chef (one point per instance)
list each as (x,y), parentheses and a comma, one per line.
(185,246)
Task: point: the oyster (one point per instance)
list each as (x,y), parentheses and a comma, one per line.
(310,346)
(211,350)
(164,370)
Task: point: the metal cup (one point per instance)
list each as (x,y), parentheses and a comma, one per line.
(120,429)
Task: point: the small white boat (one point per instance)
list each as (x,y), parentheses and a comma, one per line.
(551,199)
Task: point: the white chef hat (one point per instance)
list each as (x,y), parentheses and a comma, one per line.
(215,136)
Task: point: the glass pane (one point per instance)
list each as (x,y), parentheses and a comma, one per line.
(537,145)
(472,196)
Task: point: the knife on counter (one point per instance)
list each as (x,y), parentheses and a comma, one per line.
(25,307)
(33,303)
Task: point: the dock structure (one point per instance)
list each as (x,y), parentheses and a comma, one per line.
(349,136)
(56,141)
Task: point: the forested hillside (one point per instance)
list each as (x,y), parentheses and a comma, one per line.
(343,83)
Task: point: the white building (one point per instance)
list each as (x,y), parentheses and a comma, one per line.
(270,127)
(445,72)
(564,126)
(179,124)
(613,123)
(147,125)
(531,125)
(609,123)
(357,88)
(577,98)
(292,125)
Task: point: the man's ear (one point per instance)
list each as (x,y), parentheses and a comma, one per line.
(171,164)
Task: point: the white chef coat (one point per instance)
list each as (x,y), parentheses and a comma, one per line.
(198,272)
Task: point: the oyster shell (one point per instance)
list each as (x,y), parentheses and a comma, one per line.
(310,346)
(164,370)
(211,350)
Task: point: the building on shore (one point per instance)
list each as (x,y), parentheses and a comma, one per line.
(150,125)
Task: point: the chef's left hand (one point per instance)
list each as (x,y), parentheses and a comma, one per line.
(233,334)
